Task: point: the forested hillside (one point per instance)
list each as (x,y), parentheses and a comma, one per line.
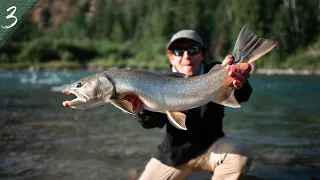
(134,33)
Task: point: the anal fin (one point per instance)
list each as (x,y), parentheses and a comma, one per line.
(177,119)
(227,98)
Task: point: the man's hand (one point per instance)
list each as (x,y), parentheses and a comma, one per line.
(239,72)
(135,101)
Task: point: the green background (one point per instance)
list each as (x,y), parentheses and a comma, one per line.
(99,34)
(23,7)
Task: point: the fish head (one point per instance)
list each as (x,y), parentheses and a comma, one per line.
(92,91)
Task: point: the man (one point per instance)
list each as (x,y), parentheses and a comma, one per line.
(203,146)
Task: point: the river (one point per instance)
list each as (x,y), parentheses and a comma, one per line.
(41,139)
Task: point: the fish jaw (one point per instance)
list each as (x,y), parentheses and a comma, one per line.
(82,100)
(92,91)
(77,102)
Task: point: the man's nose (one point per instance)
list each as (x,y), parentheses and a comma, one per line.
(185,54)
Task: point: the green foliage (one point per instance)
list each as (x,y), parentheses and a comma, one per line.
(15,66)
(26,32)
(46,49)
(39,50)
(9,51)
(306,58)
(303,60)
(107,48)
(102,23)
(59,65)
(135,33)
(75,28)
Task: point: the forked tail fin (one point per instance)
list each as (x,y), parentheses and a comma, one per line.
(249,47)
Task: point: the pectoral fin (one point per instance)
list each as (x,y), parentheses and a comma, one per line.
(177,119)
(124,105)
(227,98)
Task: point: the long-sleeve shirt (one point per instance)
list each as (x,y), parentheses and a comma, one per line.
(204,126)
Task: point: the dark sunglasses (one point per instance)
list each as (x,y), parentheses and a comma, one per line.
(192,50)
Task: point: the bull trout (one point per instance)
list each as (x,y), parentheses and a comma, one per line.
(167,93)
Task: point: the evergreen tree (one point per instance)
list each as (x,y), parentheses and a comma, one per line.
(103,20)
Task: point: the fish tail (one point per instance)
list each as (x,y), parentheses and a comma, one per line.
(249,47)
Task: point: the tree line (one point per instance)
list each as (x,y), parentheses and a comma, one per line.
(134,31)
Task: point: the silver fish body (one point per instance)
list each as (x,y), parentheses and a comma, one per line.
(162,92)
(167,93)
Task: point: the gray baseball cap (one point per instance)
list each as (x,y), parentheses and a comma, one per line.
(186,34)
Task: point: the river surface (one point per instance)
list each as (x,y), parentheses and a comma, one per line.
(41,139)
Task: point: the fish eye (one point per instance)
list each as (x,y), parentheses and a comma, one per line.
(79,85)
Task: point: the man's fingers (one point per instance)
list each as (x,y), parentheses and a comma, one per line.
(245,74)
(231,68)
(244,67)
(237,77)
(227,60)
(237,84)
(240,73)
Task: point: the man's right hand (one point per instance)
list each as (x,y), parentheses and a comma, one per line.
(135,101)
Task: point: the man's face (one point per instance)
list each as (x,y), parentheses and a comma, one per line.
(186,57)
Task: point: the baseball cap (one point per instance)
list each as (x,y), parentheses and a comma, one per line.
(186,34)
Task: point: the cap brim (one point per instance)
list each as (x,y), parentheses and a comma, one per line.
(172,41)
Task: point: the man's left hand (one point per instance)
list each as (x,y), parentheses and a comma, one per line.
(240,72)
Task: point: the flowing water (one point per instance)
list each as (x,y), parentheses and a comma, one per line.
(41,139)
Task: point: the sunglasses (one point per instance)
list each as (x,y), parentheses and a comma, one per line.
(192,50)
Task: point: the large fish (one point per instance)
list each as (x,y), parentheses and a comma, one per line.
(167,93)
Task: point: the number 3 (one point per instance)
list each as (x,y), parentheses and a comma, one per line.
(11,16)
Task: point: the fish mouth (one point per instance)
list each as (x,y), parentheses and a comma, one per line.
(81,99)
